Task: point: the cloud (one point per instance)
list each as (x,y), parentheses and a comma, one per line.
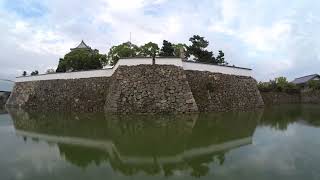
(273,37)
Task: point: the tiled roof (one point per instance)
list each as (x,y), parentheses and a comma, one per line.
(82,45)
(305,79)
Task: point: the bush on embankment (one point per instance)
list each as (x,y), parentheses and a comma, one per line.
(279,84)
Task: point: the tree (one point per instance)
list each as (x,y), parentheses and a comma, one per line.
(198,50)
(81,59)
(149,50)
(167,49)
(61,66)
(123,50)
(177,49)
(24,73)
(34,73)
(199,42)
(281,83)
(220,58)
(314,84)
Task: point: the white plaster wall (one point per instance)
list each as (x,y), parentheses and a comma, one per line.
(135,62)
(132,62)
(169,61)
(216,69)
(70,75)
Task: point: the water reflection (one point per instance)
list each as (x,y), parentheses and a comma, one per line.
(2,110)
(280,117)
(149,144)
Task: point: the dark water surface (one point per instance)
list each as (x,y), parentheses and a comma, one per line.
(275,143)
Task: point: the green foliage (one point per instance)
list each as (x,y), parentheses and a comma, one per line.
(220,58)
(199,42)
(121,51)
(314,84)
(279,84)
(24,73)
(167,49)
(81,59)
(178,47)
(34,73)
(61,66)
(198,50)
(149,50)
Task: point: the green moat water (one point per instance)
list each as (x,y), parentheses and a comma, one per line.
(282,142)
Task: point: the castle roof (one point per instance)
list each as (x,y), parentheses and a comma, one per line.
(82,45)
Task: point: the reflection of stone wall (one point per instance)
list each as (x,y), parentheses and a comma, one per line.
(132,144)
(306,97)
(141,89)
(271,98)
(312,97)
(61,95)
(221,92)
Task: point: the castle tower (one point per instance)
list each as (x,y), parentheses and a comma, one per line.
(82,45)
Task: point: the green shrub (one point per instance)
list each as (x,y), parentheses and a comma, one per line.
(314,84)
(279,84)
(264,86)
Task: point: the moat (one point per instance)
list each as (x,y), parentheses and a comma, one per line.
(281,142)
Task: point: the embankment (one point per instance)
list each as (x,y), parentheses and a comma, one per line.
(222,92)
(80,95)
(137,86)
(303,97)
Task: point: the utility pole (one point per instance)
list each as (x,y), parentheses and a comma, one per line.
(130,38)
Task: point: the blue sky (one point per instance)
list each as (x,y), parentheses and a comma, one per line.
(273,37)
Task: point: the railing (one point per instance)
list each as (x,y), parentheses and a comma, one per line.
(135,62)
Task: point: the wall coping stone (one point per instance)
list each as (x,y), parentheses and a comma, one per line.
(108,72)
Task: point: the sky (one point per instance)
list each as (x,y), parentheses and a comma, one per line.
(273,37)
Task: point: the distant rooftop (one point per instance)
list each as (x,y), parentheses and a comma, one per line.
(305,79)
(82,45)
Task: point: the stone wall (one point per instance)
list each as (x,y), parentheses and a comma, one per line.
(150,89)
(222,92)
(141,89)
(85,95)
(275,98)
(312,97)
(305,97)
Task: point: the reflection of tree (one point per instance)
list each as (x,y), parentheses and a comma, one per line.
(280,117)
(83,156)
(200,164)
(149,144)
(311,113)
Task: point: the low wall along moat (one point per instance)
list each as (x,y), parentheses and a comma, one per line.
(136,86)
